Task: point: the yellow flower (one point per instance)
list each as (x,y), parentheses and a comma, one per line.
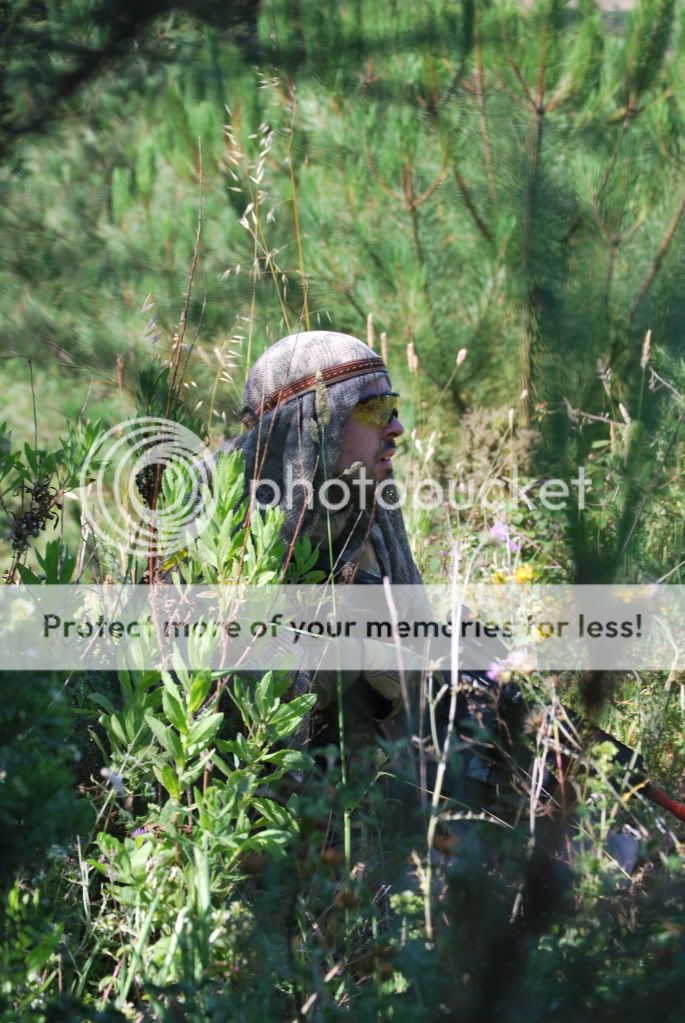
(524,574)
(498,577)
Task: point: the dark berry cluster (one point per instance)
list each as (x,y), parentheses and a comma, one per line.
(146,482)
(30,524)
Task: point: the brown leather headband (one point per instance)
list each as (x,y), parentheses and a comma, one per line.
(334,375)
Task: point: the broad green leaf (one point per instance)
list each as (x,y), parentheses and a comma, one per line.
(199,688)
(205,728)
(174,712)
(167,737)
(288,717)
(166,777)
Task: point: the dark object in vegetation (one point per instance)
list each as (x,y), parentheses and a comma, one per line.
(33,521)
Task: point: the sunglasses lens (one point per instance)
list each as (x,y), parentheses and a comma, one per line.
(377,410)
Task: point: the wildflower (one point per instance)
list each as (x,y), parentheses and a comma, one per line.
(524,574)
(499,532)
(115,780)
(498,577)
(538,634)
(497,672)
(521,661)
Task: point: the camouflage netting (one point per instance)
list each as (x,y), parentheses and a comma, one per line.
(291,435)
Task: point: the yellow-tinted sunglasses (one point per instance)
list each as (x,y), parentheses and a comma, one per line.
(377,409)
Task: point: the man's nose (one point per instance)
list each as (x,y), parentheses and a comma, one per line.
(394,428)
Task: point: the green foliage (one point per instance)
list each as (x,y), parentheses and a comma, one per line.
(33,483)
(38,807)
(480,177)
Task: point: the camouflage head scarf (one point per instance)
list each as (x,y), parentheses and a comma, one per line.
(295,434)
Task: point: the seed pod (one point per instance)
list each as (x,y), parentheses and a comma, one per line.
(332,856)
(346,899)
(253,863)
(446,844)
(384,348)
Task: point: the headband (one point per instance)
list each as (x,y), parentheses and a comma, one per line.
(335,375)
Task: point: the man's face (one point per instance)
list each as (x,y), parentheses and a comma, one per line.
(372,445)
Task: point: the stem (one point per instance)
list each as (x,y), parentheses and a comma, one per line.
(530,327)
(347,827)
(296,217)
(411,205)
(183,323)
(468,202)
(659,258)
(33,398)
(445,751)
(480,95)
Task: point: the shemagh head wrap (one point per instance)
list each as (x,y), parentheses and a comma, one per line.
(297,400)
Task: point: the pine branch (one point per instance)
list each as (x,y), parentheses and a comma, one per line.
(470,206)
(658,259)
(480,95)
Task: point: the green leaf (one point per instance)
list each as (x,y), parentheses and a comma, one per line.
(38,956)
(273,813)
(265,699)
(102,701)
(116,729)
(167,737)
(288,717)
(26,575)
(240,747)
(199,688)
(289,760)
(205,728)
(166,777)
(174,712)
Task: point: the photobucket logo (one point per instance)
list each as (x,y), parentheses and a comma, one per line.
(141,487)
(423,493)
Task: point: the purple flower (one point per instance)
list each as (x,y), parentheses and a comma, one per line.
(499,532)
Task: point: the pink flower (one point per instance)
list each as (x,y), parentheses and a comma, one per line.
(499,532)
(494,672)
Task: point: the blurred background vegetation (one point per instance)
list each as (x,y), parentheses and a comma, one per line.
(496,177)
(492,193)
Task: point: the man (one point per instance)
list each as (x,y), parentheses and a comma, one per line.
(303,437)
(322,424)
